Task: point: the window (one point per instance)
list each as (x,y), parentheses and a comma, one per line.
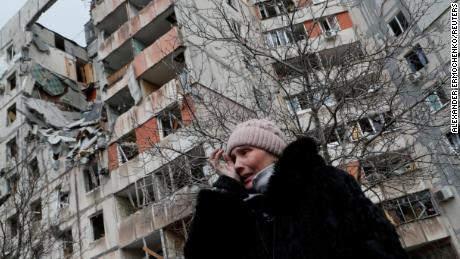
(34,171)
(67,243)
(301,102)
(305,63)
(285,36)
(59,42)
(437,100)
(386,166)
(11,115)
(371,125)
(398,24)
(11,149)
(273,8)
(13,225)
(12,83)
(97,224)
(10,53)
(359,87)
(170,120)
(410,208)
(91,176)
(36,211)
(63,199)
(416,58)
(127,147)
(13,183)
(454,141)
(329,23)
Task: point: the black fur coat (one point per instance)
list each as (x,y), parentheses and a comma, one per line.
(310,210)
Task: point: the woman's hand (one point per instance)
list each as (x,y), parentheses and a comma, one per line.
(223,167)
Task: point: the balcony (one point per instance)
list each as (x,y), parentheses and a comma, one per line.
(160,62)
(110,13)
(141,30)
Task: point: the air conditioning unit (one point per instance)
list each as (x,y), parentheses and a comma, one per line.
(330,34)
(415,77)
(444,194)
(4,188)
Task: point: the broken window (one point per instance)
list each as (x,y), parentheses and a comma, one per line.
(329,23)
(416,58)
(358,87)
(80,69)
(13,225)
(386,166)
(11,115)
(34,171)
(170,120)
(437,100)
(296,66)
(454,141)
(63,199)
(145,188)
(273,8)
(127,147)
(36,211)
(97,224)
(12,83)
(398,24)
(11,149)
(13,183)
(67,243)
(372,125)
(341,55)
(10,52)
(91,175)
(409,208)
(59,42)
(285,36)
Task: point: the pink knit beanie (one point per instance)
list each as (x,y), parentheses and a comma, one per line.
(261,134)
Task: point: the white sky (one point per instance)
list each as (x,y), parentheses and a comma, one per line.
(66,17)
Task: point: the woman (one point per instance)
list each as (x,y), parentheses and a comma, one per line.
(274,200)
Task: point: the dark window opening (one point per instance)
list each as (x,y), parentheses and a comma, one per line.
(307,63)
(454,141)
(97,223)
(34,170)
(12,149)
(171,120)
(12,83)
(13,183)
(180,58)
(10,53)
(13,225)
(398,24)
(127,147)
(36,211)
(63,199)
(80,67)
(91,175)
(67,243)
(416,58)
(11,115)
(59,42)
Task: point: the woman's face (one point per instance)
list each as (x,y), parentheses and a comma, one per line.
(249,161)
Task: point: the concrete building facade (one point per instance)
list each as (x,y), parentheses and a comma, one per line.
(103,147)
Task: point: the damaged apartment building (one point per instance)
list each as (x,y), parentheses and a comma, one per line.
(99,151)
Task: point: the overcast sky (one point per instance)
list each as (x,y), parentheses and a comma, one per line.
(67,17)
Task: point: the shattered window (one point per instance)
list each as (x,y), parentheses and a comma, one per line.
(34,171)
(91,174)
(12,149)
(13,225)
(12,83)
(97,223)
(11,115)
(127,147)
(36,211)
(63,199)
(67,243)
(416,58)
(388,165)
(409,208)
(10,52)
(170,120)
